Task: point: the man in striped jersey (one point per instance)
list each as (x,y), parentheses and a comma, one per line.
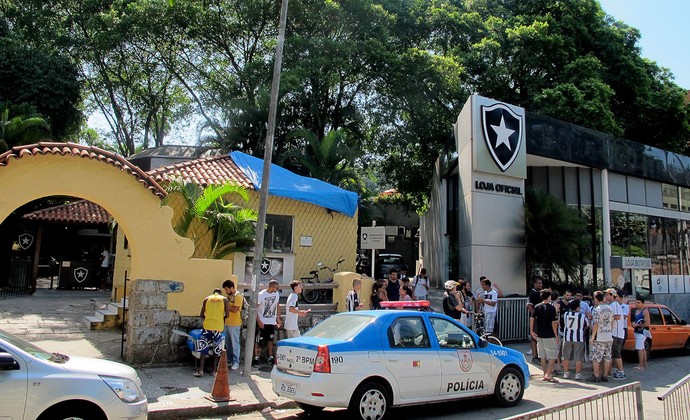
(574,339)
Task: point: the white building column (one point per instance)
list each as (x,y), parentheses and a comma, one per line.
(606,227)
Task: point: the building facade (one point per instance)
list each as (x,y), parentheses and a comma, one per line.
(635,198)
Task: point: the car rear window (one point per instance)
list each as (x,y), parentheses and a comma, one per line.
(341,327)
(390,260)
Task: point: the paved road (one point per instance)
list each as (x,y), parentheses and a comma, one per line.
(665,369)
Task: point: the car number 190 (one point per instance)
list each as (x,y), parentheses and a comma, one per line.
(288,388)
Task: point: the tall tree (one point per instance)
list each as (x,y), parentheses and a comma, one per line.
(41,78)
(122,71)
(555,234)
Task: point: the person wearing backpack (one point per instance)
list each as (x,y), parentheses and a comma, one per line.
(421,285)
(233,324)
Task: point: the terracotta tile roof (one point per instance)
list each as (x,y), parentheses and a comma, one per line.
(82,211)
(87,152)
(214,170)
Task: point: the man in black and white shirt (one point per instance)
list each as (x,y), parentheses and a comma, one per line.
(352,299)
(574,339)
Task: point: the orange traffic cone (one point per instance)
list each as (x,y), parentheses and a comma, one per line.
(221,386)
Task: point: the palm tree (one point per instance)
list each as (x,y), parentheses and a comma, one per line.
(555,234)
(21,130)
(232,227)
(329,159)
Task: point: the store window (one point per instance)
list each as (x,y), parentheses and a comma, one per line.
(278,236)
(669,196)
(685,199)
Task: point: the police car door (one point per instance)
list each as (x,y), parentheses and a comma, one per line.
(465,369)
(411,359)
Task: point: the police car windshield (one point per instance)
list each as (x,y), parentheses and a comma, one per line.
(342,327)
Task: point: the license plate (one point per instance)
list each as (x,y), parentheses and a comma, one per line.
(288,388)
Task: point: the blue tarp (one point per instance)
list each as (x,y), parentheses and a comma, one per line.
(284,183)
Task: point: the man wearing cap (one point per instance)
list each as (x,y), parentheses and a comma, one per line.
(452,303)
(618,333)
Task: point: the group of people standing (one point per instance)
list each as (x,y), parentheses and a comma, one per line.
(460,303)
(576,328)
(402,288)
(222,322)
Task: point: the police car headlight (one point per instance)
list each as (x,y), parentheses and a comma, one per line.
(126,389)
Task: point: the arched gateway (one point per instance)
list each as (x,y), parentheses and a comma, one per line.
(161,263)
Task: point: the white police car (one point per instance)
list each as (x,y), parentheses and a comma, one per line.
(370,361)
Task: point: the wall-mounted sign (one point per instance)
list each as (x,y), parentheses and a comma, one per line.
(305,241)
(639,263)
(659,284)
(373,237)
(26,240)
(503,129)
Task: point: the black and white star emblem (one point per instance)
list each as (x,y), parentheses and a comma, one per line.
(503,130)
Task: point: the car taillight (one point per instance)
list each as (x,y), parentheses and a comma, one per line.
(323,361)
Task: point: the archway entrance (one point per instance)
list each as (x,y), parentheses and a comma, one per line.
(161,263)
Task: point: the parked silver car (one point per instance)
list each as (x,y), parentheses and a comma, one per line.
(36,384)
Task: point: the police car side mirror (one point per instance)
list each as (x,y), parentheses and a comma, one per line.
(683,322)
(483,343)
(7,362)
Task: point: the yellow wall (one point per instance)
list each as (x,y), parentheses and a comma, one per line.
(157,252)
(334,235)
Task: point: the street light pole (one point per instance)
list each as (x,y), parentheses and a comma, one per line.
(263,195)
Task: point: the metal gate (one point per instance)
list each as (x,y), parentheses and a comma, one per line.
(18,283)
(513,319)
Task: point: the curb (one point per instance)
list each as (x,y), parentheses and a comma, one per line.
(215,409)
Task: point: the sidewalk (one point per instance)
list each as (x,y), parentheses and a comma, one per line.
(52,319)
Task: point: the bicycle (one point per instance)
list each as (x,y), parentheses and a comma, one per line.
(478,327)
(312,296)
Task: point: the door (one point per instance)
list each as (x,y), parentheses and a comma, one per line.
(465,369)
(660,337)
(411,359)
(677,333)
(13,384)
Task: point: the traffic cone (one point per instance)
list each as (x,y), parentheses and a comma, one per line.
(221,385)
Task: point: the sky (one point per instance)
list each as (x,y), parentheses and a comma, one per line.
(664,26)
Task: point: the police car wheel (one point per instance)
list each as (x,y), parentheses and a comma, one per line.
(509,387)
(370,402)
(310,409)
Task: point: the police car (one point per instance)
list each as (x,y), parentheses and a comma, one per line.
(370,361)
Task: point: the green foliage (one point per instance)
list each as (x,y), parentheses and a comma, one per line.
(555,234)
(392,75)
(45,80)
(329,159)
(231,226)
(21,129)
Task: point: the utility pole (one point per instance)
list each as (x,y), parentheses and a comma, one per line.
(263,195)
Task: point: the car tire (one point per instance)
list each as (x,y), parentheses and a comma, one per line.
(72,411)
(648,348)
(309,409)
(510,387)
(371,401)
(686,347)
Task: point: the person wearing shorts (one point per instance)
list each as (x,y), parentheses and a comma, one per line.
(602,339)
(543,328)
(574,323)
(214,311)
(641,322)
(267,318)
(488,298)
